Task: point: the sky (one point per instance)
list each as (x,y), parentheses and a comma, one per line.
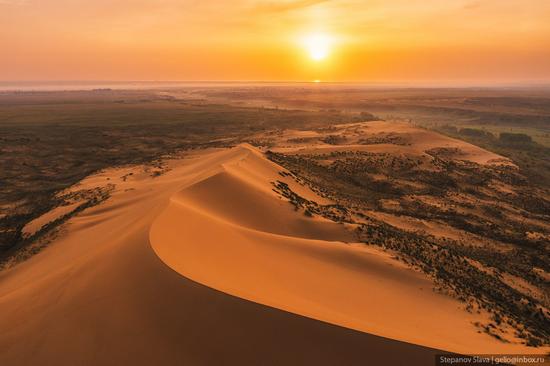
(429,41)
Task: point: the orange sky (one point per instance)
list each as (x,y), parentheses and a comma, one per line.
(370,40)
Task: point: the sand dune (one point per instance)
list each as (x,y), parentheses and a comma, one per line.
(415,141)
(100,296)
(206,265)
(235,235)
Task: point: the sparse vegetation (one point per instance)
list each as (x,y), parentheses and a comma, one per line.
(438,187)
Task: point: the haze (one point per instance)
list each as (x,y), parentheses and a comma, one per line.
(373,41)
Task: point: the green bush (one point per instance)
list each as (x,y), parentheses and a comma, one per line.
(515,138)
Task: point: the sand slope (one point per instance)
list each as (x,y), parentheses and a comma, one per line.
(231,232)
(100,295)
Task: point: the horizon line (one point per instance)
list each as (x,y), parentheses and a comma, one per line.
(420,84)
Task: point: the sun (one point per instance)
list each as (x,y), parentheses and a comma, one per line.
(318,46)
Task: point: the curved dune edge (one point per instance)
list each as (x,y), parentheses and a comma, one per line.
(230,232)
(99,295)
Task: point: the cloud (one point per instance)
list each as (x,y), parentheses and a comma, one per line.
(285,6)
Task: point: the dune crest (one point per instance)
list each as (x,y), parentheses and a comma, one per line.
(231,232)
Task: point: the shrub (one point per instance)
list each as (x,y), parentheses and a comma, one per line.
(515,138)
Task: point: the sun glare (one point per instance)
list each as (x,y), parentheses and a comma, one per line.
(318,46)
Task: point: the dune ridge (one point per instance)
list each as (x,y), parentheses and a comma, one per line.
(233,233)
(171,270)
